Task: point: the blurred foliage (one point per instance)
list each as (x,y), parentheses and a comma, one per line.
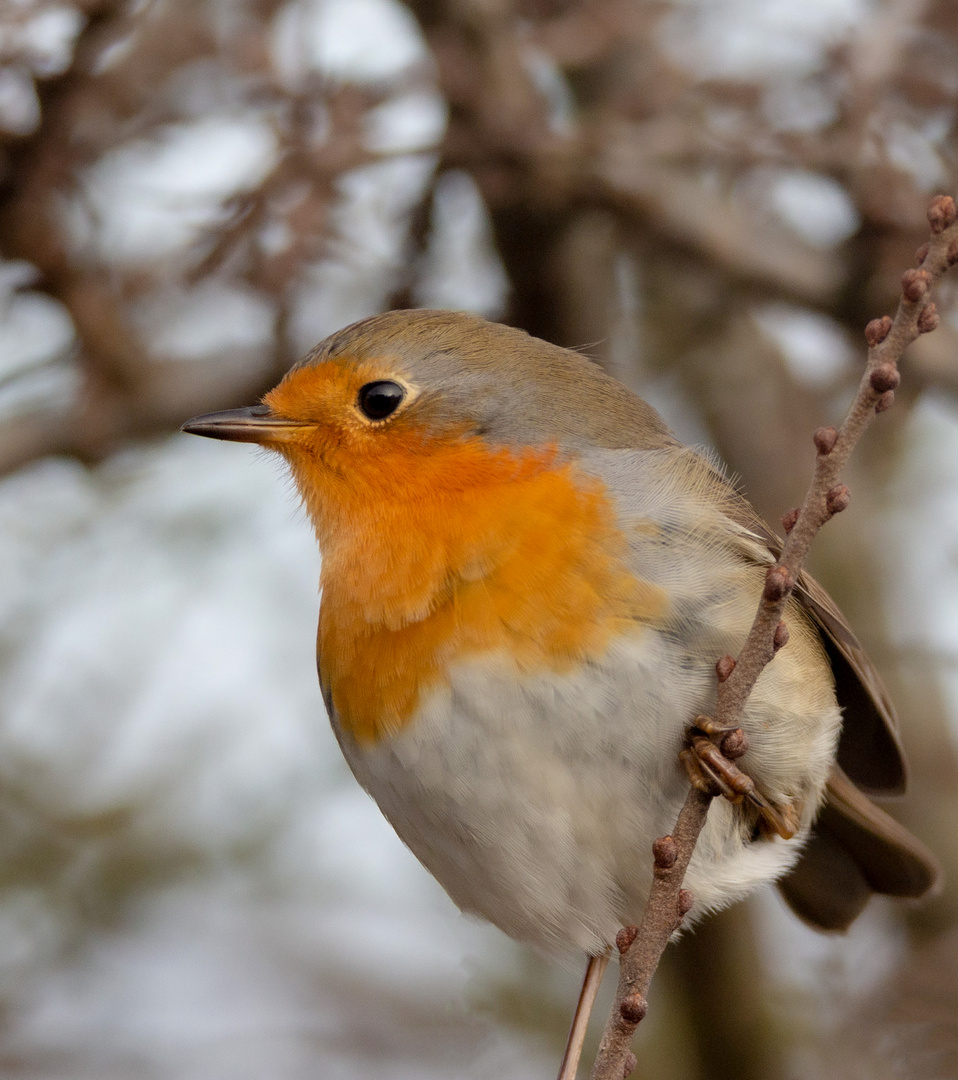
(713,198)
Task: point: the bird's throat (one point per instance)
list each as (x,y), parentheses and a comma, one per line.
(470,550)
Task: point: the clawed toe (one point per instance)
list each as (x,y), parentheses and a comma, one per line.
(709,759)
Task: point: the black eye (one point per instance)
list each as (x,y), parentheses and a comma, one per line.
(379,399)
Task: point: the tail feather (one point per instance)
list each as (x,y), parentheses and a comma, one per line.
(856,850)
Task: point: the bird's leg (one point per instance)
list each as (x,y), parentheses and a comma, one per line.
(709,759)
(594,971)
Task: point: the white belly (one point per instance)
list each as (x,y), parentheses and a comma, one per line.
(534,801)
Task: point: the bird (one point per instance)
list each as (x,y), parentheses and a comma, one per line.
(526,582)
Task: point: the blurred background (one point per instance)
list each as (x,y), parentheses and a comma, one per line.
(711,196)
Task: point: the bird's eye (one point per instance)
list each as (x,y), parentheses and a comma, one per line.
(377,400)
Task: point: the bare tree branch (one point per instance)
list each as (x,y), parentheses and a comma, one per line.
(641,948)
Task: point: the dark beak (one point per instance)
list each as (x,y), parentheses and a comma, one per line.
(254,424)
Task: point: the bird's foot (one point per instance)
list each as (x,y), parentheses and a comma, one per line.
(709,759)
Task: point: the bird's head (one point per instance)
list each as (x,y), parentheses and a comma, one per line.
(429,396)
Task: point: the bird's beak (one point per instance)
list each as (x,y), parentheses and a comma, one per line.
(254,424)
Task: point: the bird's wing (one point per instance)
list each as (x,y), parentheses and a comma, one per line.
(869,750)
(856,848)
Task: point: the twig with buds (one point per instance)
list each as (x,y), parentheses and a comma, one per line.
(720,736)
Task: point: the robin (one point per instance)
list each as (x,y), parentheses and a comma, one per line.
(526,583)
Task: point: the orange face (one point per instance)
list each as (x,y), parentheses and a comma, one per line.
(347,462)
(325,399)
(438,545)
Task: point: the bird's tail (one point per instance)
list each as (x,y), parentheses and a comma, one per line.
(855,850)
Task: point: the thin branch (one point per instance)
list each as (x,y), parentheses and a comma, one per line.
(641,948)
(887,339)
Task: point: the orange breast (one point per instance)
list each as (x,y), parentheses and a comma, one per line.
(436,552)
